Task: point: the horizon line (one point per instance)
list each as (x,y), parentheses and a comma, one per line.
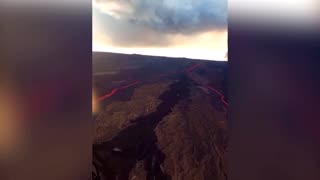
(191,58)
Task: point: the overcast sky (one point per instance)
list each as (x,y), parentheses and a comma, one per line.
(176,28)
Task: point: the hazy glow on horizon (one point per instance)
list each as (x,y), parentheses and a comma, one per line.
(211,44)
(196,47)
(171,52)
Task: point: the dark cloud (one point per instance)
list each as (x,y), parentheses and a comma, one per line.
(181,16)
(154,20)
(122,33)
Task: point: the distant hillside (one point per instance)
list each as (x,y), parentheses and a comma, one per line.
(102,60)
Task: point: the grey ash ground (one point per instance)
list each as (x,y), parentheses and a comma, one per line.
(166,127)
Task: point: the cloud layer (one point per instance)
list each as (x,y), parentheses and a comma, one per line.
(170,16)
(156,23)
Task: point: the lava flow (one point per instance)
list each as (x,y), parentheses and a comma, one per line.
(189,73)
(115,90)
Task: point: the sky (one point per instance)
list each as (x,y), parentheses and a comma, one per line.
(194,29)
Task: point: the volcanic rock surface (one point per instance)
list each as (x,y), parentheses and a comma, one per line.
(172,127)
